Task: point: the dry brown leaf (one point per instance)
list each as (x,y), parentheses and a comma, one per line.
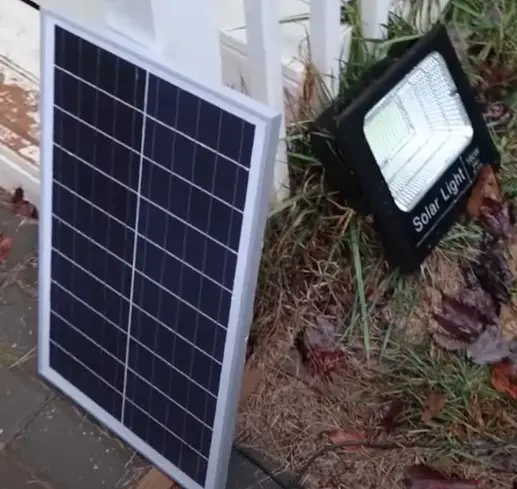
(391,419)
(424,477)
(250,381)
(6,244)
(320,349)
(487,186)
(18,195)
(504,378)
(21,206)
(25,209)
(491,347)
(508,322)
(493,272)
(340,437)
(434,403)
(462,320)
(496,218)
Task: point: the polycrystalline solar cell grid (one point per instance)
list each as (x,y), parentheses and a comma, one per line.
(148,198)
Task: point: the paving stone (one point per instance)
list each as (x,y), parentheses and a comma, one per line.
(18,288)
(22,398)
(18,324)
(63,446)
(12,476)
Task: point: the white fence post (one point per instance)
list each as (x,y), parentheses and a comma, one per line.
(374,17)
(264,45)
(325,42)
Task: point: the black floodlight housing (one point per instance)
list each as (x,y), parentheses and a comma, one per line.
(406,145)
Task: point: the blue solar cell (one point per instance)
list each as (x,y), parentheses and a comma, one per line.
(95,327)
(99,190)
(108,268)
(169,414)
(149,188)
(100,151)
(98,109)
(197,118)
(92,222)
(87,381)
(86,352)
(172,381)
(90,290)
(101,68)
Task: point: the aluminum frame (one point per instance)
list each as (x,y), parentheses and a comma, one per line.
(267,124)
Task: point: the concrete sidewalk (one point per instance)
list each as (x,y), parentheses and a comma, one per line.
(45,440)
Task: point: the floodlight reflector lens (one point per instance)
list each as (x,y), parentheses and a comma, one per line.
(418,130)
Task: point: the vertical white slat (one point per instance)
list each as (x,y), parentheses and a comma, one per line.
(133,20)
(189,34)
(264,45)
(91,12)
(374,18)
(325,42)
(185,34)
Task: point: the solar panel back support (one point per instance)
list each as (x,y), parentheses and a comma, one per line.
(111,268)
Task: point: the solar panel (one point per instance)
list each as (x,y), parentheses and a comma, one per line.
(154,202)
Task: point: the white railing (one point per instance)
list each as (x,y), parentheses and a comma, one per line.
(329,43)
(248,44)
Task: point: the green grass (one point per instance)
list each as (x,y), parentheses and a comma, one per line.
(473,19)
(355,247)
(320,257)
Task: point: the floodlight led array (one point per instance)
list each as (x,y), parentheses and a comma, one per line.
(407,148)
(418,130)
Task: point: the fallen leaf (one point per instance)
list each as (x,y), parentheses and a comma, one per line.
(25,209)
(391,420)
(21,206)
(463,318)
(487,185)
(461,321)
(474,295)
(497,114)
(491,347)
(424,477)
(434,403)
(341,437)
(508,322)
(320,349)
(18,195)
(495,79)
(504,378)
(493,271)
(495,218)
(250,381)
(323,335)
(6,244)
(448,343)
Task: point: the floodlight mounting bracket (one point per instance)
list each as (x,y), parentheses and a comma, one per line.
(339,141)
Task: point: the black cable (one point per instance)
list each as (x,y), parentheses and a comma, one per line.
(257,463)
(296,483)
(31,3)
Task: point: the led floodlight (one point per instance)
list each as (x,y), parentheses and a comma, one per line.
(408,147)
